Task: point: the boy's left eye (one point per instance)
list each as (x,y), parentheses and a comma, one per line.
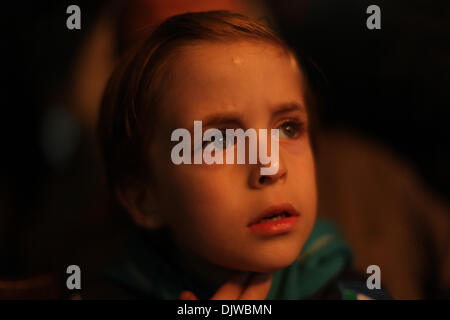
(290,129)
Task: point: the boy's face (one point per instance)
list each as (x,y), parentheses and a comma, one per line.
(208,207)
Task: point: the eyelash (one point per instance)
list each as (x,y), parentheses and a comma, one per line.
(296,124)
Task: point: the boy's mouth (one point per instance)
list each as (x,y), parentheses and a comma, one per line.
(276,217)
(275,213)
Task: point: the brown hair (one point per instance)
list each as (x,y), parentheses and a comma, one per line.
(133,91)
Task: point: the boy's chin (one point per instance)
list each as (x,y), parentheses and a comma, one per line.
(275,266)
(268,264)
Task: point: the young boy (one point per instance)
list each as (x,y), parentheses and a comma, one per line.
(217,231)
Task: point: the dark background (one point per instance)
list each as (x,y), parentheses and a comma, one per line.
(391,85)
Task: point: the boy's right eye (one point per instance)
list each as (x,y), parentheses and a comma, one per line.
(221,143)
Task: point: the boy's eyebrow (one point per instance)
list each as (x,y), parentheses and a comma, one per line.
(215,120)
(286,108)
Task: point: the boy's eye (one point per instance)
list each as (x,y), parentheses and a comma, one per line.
(290,129)
(221,143)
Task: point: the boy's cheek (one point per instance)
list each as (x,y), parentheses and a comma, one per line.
(295,148)
(202,178)
(192,187)
(304,185)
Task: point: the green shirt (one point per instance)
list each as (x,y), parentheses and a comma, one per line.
(150,267)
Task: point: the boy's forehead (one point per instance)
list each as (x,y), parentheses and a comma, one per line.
(239,76)
(236,54)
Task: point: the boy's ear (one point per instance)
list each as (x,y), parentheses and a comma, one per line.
(139,202)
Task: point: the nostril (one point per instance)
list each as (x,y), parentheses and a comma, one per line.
(262,179)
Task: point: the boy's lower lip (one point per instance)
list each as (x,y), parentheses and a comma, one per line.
(270,228)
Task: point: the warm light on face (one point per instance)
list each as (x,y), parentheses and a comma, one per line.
(209,206)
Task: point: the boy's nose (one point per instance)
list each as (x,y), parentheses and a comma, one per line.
(259,180)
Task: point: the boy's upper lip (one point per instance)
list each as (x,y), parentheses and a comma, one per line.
(273,210)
